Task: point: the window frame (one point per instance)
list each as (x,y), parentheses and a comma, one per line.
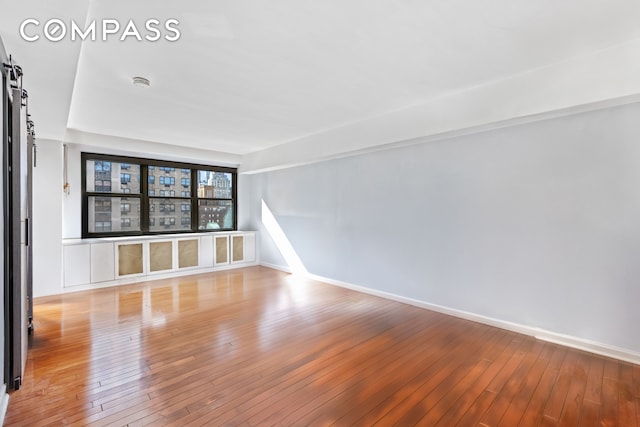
(159,166)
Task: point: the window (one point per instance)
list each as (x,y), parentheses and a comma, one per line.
(103,205)
(105,214)
(102,166)
(154,197)
(216,204)
(103,226)
(167,221)
(167,180)
(103,185)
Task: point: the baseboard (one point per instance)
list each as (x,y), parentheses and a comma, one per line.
(276,267)
(4,403)
(541,334)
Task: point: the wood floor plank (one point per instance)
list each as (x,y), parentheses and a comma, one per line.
(593,390)
(636,380)
(512,387)
(554,406)
(520,401)
(609,409)
(575,395)
(258,347)
(626,399)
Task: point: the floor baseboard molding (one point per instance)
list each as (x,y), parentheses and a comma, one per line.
(4,403)
(276,267)
(541,334)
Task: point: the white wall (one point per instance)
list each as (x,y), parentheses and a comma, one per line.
(536,224)
(72,202)
(47,219)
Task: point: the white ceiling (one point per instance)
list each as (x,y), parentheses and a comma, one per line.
(247,75)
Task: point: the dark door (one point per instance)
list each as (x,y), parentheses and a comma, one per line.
(14,281)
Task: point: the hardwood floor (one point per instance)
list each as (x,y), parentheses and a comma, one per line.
(256,347)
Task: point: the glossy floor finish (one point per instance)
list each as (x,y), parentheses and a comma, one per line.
(257,347)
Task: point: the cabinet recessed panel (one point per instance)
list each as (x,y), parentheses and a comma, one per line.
(238,248)
(222,249)
(160,256)
(77,260)
(249,247)
(188,253)
(102,262)
(206,251)
(130,259)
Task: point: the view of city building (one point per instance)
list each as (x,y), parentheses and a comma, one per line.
(169,193)
(113,213)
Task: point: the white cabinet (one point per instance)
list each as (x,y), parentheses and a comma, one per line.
(126,260)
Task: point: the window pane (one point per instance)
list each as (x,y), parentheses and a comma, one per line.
(215,214)
(214,185)
(112,177)
(169,215)
(165,181)
(109,214)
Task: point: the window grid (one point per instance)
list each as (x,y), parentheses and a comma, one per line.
(139,221)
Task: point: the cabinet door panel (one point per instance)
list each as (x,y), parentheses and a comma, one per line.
(188,253)
(102,262)
(130,257)
(77,261)
(206,252)
(237,248)
(221,250)
(160,256)
(250,247)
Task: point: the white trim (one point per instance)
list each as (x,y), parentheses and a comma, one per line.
(276,267)
(541,334)
(4,403)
